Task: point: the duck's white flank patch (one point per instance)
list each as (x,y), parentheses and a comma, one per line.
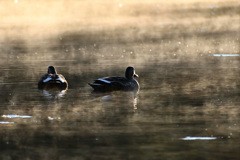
(103,80)
(61,80)
(48,79)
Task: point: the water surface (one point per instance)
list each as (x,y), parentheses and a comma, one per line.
(188,104)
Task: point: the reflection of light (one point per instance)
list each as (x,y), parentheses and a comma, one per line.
(46,93)
(4,122)
(106,98)
(226,55)
(16,1)
(135,103)
(198,138)
(211,7)
(54,94)
(62,93)
(15,116)
(51,118)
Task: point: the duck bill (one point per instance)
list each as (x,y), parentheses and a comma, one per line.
(135,75)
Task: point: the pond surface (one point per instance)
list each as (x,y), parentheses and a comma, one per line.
(182,110)
(188,63)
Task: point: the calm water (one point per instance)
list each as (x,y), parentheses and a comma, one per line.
(187,59)
(184,110)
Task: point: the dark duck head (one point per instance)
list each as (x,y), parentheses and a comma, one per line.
(51,70)
(130,73)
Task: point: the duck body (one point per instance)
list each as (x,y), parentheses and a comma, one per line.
(52,80)
(127,83)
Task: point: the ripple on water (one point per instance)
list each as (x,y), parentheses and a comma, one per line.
(198,138)
(226,55)
(5,122)
(16,116)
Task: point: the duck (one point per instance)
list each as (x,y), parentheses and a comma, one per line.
(127,83)
(52,80)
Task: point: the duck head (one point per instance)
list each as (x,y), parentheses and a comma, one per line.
(130,73)
(51,70)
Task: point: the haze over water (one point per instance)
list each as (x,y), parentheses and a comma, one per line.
(186,54)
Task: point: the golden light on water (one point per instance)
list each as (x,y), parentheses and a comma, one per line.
(48,17)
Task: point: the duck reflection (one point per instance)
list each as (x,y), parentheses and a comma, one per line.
(54,94)
(119,97)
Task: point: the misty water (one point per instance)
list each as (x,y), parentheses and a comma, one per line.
(187,109)
(188,105)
